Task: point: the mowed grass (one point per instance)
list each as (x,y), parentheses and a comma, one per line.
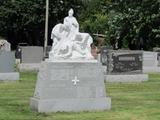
(136,101)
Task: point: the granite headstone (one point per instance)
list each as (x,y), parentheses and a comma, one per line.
(7,62)
(125,66)
(7,66)
(150,59)
(70,86)
(32,54)
(124,62)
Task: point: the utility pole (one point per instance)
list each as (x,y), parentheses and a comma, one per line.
(46,28)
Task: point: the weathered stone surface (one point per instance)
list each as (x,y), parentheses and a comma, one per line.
(13,76)
(150,62)
(127,78)
(32,54)
(7,62)
(150,59)
(29,66)
(70,86)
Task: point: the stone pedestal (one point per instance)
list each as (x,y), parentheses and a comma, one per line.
(11,76)
(127,78)
(70,86)
(29,66)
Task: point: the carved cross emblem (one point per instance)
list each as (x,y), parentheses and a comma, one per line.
(75,81)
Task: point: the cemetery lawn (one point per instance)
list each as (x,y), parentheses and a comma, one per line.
(136,101)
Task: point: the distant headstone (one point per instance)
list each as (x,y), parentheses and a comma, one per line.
(7,62)
(150,62)
(32,54)
(158,54)
(150,59)
(124,62)
(4,45)
(125,66)
(7,66)
(156,49)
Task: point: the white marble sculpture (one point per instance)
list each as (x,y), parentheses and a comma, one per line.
(68,42)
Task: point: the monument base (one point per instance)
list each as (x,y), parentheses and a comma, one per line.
(29,66)
(70,105)
(151,69)
(13,76)
(127,78)
(70,86)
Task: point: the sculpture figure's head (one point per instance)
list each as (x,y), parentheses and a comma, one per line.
(70,12)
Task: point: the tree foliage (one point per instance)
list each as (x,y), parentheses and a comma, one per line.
(24,20)
(135,24)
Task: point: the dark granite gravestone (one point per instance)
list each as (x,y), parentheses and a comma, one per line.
(7,62)
(103,55)
(32,54)
(124,62)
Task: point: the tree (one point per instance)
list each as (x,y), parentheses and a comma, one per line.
(23,20)
(93,17)
(135,24)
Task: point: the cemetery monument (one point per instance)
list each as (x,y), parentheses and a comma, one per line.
(31,57)
(7,63)
(70,80)
(125,66)
(150,61)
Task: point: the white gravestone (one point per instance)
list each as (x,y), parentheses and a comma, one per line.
(70,80)
(4,45)
(150,62)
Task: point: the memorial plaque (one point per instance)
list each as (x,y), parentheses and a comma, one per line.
(124,62)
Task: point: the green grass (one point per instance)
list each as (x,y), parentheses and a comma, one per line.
(136,101)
